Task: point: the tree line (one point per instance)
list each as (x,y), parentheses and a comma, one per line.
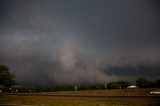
(7,80)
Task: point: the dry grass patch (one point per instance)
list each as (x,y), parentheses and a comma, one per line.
(76,101)
(84,101)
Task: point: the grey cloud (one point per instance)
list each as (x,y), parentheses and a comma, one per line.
(48,42)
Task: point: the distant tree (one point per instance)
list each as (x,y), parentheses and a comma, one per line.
(151,84)
(157,83)
(123,84)
(99,86)
(142,82)
(113,85)
(7,79)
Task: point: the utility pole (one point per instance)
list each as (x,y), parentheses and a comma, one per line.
(105,86)
(75,87)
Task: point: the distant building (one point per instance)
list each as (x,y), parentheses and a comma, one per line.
(155,92)
(132,86)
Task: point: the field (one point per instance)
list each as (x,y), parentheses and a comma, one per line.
(126,97)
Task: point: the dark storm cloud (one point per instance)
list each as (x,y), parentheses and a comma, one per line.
(47,42)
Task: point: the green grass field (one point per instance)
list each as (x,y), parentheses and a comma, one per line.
(85,101)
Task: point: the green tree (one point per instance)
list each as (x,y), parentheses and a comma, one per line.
(142,82)
(7,79)
(123,84)
(113,85)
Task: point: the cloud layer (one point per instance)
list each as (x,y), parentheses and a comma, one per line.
(49,42)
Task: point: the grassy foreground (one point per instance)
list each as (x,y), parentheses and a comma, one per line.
(81,101)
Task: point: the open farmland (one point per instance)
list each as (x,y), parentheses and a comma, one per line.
(127,97)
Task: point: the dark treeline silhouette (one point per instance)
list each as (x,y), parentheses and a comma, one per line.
(140,83)
(8,84)
(7,79)
(144,83)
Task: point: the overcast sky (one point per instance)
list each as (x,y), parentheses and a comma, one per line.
(49,42)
